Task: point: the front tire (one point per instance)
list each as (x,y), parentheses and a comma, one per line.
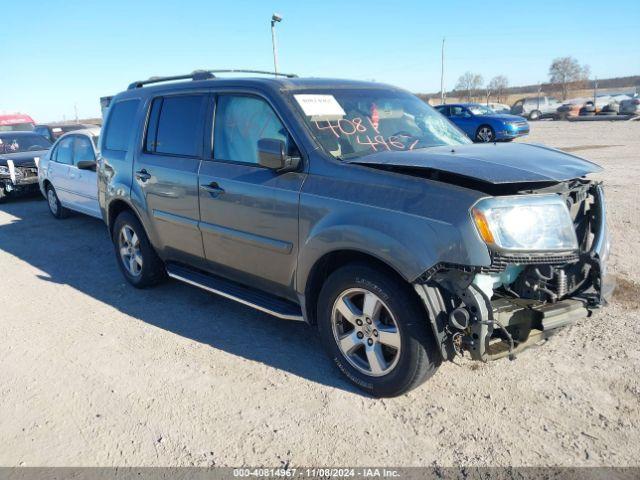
(376,331)
(485,134)
(535,115)
(138,261)
(55,207)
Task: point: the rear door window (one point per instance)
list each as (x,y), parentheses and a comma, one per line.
(459,112)
(176,125)
(120,125)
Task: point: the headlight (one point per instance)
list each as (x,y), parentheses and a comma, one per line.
(525,223)
(4,170)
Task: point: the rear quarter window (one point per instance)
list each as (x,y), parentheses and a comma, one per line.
(120,125)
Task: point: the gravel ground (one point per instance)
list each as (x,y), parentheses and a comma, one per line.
(93,372)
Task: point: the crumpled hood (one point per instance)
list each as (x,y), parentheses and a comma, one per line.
(22,159)
(498,163)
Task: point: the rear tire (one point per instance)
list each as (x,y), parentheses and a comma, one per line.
(138,261)
(534,115)
(392,350)
(55,207)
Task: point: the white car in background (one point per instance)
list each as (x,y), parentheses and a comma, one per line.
(499,107)
(67,174)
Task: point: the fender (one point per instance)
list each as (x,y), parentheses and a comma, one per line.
(409,251)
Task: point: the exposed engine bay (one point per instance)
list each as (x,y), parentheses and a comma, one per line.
(523,297)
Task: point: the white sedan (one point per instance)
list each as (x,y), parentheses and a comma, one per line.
(67,174)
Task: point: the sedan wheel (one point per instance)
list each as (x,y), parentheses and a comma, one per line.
(366,332)
(485,134)
(53,201)
(56,209)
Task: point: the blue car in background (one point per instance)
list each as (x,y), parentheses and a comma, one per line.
(482,124)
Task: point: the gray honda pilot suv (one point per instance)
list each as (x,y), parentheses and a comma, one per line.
(356,207)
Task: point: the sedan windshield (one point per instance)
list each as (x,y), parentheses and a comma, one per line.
(23,143)
(477,109)
(352,123)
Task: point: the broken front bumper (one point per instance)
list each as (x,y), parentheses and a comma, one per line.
(19,177)
(465,319)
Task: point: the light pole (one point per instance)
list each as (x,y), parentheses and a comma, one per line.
(275,18)
(442,74)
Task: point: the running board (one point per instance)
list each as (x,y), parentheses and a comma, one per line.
(259,300)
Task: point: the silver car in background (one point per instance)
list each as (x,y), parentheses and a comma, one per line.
(67,174)
(535,108)
(630,106)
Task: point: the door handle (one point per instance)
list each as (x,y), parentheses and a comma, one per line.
(143,175)
(213,188)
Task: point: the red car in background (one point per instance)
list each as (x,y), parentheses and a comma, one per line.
(15,122)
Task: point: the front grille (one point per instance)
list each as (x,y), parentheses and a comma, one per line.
(500,261)
(26,172)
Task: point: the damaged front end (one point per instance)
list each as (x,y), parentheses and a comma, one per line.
(523,296)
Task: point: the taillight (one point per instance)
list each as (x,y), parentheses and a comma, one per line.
(636,101)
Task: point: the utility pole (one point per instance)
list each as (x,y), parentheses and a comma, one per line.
(75,108)
(442,75)
(595,91)
(274,19)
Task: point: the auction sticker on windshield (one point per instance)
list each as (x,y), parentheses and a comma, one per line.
(319,105)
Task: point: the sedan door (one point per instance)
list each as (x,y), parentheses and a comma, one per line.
(58,170)
(84,183)
(248,213)
(464,120)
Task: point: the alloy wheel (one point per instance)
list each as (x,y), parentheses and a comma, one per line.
(129,247)
(485,134)
(366,332)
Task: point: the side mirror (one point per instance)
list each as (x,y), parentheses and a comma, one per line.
(272,155)
(87,165)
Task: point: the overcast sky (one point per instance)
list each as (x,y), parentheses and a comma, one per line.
(61,53)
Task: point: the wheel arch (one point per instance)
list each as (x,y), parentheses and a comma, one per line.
(329,263)
(116,207)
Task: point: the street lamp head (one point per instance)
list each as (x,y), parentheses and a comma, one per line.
(276,17)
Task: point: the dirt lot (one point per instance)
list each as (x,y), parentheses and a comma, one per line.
(93,372)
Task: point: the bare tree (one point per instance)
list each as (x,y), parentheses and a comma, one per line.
(498,86)
(566,70)
(469,83)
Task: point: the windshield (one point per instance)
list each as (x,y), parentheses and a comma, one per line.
(480,110)
(23,143)
(353,123)
(17,127)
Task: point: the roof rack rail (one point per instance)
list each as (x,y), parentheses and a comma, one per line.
(202,75)
(259,72)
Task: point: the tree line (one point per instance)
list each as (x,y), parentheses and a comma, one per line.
(563,73)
